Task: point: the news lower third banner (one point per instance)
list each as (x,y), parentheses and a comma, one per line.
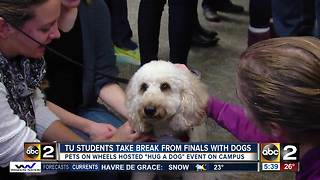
(195,152)
(196,157)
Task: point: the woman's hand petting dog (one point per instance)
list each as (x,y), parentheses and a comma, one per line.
(100,131)
(126,134)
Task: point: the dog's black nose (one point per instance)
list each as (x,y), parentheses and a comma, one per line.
(150,110)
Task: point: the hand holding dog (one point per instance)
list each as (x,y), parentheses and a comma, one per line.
(126,134)
(101,131)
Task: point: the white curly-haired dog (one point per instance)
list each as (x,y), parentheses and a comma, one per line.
(165,101)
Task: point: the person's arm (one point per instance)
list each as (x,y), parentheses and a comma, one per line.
(95,131)
(57,131)
(114,96)
(14,132)
(47,123)
(233,118)
(122,134)
(105,59)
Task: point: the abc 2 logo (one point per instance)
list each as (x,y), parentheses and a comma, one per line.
(40,151)
(276,152)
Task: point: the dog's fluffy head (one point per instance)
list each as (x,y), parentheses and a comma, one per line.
(160,95)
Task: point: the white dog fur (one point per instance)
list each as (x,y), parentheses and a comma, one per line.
(176,97)
(165,100)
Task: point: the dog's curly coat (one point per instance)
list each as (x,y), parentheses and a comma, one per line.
(164,99)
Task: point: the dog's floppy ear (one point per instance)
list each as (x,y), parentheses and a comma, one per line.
(194,98)
(132,93)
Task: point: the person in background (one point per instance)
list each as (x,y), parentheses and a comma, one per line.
(202,37)
(260,27)
(181,23)
(296,18)
(125,49)
(210,8)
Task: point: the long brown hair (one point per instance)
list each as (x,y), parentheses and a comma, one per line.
(17,12)
(279,81)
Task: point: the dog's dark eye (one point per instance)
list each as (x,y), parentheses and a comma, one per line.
(165,87)
(143,87)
